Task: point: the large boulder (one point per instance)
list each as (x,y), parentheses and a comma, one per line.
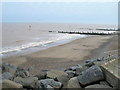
(91,75)
(70,73)
(9,68)
(7,75)
(22,73)
(44,83)
(64,80)
(42,75)
(55,73)
(10,84)
(80,69)
(73,83)
(29,82)
(104,87)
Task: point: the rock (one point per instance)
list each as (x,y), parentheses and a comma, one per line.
(99,59)
(0,78)
(22,73)
(41,75)
(55,73)
(49,87)
(30,82)
(89,64)
(10,84)
(74,67)
(7,75)
(98,86)
(9,68)
(80,69)
(0,70)
(64,80)
(73,83)
(5,67)
(44,83)
(87,61)
(91,75)
(70,73)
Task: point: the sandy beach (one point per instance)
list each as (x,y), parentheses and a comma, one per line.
(66,55)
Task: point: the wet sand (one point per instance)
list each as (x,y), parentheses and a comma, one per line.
(66,55)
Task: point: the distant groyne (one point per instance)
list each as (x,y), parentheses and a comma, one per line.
(89,32)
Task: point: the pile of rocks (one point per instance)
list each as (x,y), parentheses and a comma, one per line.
(87,75)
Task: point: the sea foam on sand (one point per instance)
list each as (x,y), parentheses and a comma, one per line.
(41,43)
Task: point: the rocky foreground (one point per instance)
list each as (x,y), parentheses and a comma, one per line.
(87,75)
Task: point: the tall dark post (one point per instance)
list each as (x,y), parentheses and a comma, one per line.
(29,27)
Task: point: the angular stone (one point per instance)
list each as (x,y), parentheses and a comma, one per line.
(70,73)
(44,83)
(87,61)
(55,73)
(89,64)
(64,80)
(98,86)
(73,83)
(22,73)
(7,75)
(5,67)
(91,75)
(10,84)
(42,75)
(50,87)
(80,69)
(74,67)
(9,68)
(30,82)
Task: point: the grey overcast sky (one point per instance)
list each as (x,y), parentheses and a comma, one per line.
(61,12)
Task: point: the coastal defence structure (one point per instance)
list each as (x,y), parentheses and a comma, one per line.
(101,73)
(89,32)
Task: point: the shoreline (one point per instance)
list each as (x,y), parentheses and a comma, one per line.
(62,56)
(33,49)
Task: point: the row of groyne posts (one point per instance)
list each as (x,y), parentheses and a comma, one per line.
(89,32)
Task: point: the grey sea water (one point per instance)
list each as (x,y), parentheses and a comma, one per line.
(17,37)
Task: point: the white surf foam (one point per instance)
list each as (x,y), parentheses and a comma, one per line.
(41,43)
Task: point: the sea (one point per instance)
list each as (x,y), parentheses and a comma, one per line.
(25,38)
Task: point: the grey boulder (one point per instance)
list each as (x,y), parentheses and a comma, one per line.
(80,69)
(55,73)
(30,82)
(10,84)
(73,83)
(70,73)
(7,75)
(44,83)
(9,68)
(74,67)
(64,80)
(22,73)
(91,75)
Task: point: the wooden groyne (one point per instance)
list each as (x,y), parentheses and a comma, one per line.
(89,32)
